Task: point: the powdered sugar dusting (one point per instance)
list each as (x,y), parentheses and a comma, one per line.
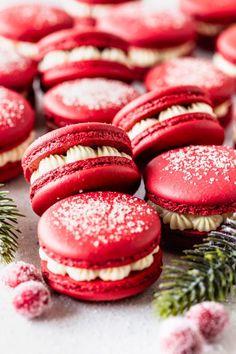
(95,94)
(192,71)
(38,16)
(12,110)
(11,60)
(209,163)
(102,217)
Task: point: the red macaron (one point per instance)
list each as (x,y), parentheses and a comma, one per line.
(16,132)
(86,100)
(210,17)
(193,190)
(73,54)
(198,72)
(164,119)
(25,24)
(87,11)
(154,36)
(17,72)
(225,57)
(80,157)
(100,246)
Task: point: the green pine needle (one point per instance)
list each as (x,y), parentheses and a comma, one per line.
(8,227)
(207,272)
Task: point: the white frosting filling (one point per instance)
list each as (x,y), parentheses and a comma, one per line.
(224,65)
(59,57)
(17,152)
(79,9)
(208,29)
(222,109)
(106,274)
(169,113)
(182,222)
(27,49)
(75,153)
(146,57)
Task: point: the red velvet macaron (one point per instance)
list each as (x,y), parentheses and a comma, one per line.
(210,17)
(225,58)
(25,24)
(86,100)
(194,190)
(100,246)
(73,54)
(198,72)
(164,119)
(16,132)
(87,11)
(16,71)
(154,36)
(80,157)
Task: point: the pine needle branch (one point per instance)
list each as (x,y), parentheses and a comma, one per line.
(207,272)
(9,231)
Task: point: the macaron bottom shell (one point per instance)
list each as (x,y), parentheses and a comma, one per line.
(99,290)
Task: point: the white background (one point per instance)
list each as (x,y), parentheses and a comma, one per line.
(71,327)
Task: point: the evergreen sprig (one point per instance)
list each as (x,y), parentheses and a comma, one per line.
(207,272)
(9,231)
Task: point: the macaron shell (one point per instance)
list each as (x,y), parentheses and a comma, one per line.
(86,100)
(16,119)
(99,290)
(30,23)
(226,44)
(223,11)
(177,241)
(108,173)
(192,71)
(194,179)
(87,69)
(144,26)
(10,171)
(60,140)
(99,230)
(16,72)
(70,39)
(188,129)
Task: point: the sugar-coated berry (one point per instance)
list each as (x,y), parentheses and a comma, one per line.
(31,299)
(180,336)
(20,272)
(211,318)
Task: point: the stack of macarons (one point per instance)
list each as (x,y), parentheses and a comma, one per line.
(99,242)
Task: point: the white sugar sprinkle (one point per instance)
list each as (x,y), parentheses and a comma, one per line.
(211,163)
(192,71)
(95,94)
(103,217)
(12,112)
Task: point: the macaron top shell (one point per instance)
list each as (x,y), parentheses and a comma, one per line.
(194,180)
(219,10)
(16,118)
(191,71)
(226,44)
(144,26)
(99,229)
(72,38)
(88,100)
(60,140)
(16,71)
(103,2)
(151,103)
(27,22)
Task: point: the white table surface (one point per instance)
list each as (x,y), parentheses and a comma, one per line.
(124,327)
